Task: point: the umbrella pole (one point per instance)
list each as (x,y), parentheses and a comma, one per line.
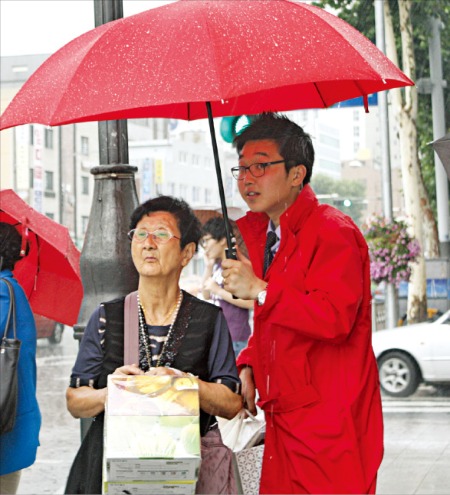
(231,242)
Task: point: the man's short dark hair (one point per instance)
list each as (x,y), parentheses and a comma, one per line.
(10,244)
(294,144)
(215,227)
(188,223)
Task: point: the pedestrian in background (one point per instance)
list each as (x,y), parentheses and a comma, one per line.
(310,354)
(236,311)
(18,447)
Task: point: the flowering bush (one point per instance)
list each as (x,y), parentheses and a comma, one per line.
(391,249)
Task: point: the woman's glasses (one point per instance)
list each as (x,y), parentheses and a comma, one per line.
(160,236)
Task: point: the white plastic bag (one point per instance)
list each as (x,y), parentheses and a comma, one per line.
(242,433)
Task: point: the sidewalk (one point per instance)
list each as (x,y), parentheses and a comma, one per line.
(417,455)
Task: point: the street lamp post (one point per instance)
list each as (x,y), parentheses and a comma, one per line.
(107,270)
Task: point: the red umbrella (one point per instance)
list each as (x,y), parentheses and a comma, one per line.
(240,57)
(243,56)
(50,272)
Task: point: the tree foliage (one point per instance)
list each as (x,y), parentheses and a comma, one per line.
(346,195)
(361,15)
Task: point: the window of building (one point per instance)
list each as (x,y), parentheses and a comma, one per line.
(84,185)
(31,134)
(48,138)
(84,145)
(84,224)
(183,191)
(49,186)
(196,194)
(171,188)
(208,196)
(31,181)
(50,215)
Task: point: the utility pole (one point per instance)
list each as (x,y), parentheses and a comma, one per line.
(391,305)
(437,105)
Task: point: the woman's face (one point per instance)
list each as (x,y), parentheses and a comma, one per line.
(156,259)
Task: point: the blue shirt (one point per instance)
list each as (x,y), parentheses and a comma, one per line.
(18,447)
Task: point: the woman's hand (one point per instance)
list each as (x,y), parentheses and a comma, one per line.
(166,370)
(211,286)
(128,369)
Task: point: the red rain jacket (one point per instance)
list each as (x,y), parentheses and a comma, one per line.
(311,353)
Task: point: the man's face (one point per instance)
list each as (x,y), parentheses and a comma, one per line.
(274,191)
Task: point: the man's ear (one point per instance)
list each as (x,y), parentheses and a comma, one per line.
(187,254)
(298,175)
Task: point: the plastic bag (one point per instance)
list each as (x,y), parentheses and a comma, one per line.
(242,432)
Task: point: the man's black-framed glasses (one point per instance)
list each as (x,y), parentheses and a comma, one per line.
(160,236)
(256,169)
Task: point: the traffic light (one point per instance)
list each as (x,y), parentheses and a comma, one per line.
(231,126)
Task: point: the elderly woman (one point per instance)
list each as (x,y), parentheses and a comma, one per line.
(164,237)
(18,446)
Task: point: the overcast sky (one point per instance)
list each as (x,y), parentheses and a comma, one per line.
(43,26)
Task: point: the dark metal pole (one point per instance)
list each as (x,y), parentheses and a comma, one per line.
(107,270)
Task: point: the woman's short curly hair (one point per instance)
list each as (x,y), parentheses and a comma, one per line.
(188,223)
(10,243)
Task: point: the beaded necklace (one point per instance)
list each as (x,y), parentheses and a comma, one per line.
(145,337)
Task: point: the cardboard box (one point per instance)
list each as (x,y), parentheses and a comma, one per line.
(150,488)
(152,430)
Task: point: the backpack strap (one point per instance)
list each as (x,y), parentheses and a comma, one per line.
(131,330)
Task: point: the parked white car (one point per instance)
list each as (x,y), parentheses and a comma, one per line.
(412,354)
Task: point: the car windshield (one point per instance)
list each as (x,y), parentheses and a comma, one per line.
(444,319)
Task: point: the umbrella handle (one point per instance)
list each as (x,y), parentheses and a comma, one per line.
(231,242)
(231,251)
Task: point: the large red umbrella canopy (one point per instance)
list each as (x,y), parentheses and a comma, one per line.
(50,273)
(243,56)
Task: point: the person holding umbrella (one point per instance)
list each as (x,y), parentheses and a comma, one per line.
(18,446)
(310,356)
(176,334)
(236,311)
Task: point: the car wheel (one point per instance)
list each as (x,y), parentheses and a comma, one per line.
(399,374)
(57,334)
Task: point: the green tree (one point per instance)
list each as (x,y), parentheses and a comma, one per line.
(346,195)
(361,15)
(407,33)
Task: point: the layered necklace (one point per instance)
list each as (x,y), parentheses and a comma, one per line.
(173,310)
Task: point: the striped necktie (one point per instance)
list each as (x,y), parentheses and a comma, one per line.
(268,254)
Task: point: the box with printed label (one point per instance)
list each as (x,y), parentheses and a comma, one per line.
(152,430)
(149,488)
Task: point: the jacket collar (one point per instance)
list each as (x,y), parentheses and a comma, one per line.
(253,227)
(292,219)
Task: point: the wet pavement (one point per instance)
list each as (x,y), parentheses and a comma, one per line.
(60,432)
(417,433)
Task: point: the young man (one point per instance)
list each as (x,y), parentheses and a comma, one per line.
(310,355)
(236,311)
